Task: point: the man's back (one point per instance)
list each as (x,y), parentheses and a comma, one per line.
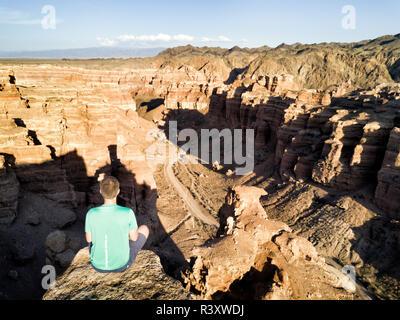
(109,226)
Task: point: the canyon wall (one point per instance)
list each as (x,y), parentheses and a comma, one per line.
(52,118)
(342,137)
(255,257)
(339,138)
(61,128)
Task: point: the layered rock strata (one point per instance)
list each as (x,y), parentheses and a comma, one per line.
(61,128)
(258,258)
(341,142)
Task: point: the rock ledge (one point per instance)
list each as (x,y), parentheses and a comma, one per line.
(144,280)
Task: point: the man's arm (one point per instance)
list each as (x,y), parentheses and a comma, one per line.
(89,237)
(88,228)
(133,235)
(133,227)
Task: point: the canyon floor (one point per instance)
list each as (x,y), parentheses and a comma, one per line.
(323,194)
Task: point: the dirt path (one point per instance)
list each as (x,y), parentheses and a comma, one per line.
(194,207)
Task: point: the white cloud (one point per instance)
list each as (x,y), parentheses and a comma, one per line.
(126,38)
(105,42)
(159,38)
(9,16)
(153,38)
(25,22)
(183,37)
(224,39)
(219,39)
(205,39)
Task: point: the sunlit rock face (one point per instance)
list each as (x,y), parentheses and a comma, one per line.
(145,280)
(342,142)
(334,137)
(62,127)
(70,123)
(258,258)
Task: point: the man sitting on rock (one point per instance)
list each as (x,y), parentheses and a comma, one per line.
(112,232)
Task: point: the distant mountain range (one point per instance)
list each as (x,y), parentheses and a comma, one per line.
(84,53)
(365,63)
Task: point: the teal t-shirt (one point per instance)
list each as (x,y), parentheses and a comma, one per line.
(110,226)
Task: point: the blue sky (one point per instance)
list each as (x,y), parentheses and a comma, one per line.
(156,23)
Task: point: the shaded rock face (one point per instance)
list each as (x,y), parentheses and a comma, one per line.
(258,258)
(45,211)
(388,189)
(56,241)
(144,280)
(9,190)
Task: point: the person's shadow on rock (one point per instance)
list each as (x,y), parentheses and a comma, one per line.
(142,199)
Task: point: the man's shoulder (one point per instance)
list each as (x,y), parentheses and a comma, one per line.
(116,208)
(121,209)
(124,209)
(92,210)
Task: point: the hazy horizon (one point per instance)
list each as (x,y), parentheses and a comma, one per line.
(126,52)
(59,25)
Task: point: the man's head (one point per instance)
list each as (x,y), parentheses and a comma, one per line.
(109,188)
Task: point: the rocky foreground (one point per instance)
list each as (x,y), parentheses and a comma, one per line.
(259,258)
(254,258)
(328,157)
(143,281)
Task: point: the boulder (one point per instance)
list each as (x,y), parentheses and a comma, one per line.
(65,258)
(56,241)
(145,279)
(38,208)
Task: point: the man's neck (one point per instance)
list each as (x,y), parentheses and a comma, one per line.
(110,201)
